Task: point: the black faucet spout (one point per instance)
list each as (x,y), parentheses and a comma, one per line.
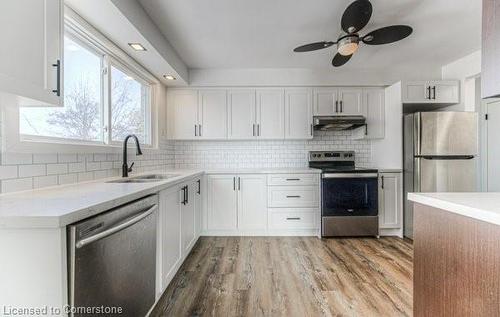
(125,168)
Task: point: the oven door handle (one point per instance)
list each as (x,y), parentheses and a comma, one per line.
(350,175)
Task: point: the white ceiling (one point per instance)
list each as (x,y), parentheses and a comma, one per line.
(263,33)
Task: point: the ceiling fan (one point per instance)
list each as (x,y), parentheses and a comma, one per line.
(355,18)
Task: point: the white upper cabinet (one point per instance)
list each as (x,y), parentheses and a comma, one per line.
(242,114)
(183,114)
(431,92)
(32,59)
(252,202)
(351,102)
(212,114)
(374,103)
(298,113)
(270,114)
(325,101)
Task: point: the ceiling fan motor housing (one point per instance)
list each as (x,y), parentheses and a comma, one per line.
(348,44)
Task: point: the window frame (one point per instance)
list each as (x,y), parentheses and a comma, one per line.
(78,29)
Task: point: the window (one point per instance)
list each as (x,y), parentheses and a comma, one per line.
(103,101)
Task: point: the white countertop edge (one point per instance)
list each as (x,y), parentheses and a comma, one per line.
(291,170)
(489,216)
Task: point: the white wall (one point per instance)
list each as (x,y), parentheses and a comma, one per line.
(388,152)
(466,69)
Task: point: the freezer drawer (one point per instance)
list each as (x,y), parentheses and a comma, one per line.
(445,133)
(440,175)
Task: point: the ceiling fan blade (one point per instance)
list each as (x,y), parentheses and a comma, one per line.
(339,60)
(356,16)
(313,46)
(388,34)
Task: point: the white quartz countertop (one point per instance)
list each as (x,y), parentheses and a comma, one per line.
(480,206)
(60,206)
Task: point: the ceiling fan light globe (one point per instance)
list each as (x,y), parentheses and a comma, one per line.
(348,49)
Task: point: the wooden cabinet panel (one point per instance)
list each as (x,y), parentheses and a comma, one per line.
(242,114)
(212,114)
(298,114)
(222,202)
(270,114)
(252,202)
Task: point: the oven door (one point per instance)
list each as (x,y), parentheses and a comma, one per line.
(350,194)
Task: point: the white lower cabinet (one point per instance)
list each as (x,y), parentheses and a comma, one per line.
(263,204)
(178,228)
(252,202)
(390,203)
(222,203)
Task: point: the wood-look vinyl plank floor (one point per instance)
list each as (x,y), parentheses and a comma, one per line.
(292,276)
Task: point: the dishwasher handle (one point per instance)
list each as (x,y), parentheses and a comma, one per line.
(117,228)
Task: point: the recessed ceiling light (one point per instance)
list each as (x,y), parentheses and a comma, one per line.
(169,77)
(137,46)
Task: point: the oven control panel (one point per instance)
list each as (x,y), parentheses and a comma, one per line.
(331,156)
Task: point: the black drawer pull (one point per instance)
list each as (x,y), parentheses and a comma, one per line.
(293,179)
(293,218)
(292,196)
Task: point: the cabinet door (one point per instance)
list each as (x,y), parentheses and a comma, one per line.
(188,230)
(252,202)
(325,102)
(198,207)
(415,92)
(390,201)
(298,114)
(242,114)
(490,49)
(32,34)
(351,102)
(374,100)
(222,202)
(183,118)
(213,114)
(270,114)
(170,228)
(445,91)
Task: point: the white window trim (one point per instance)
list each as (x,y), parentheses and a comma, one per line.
(14,142)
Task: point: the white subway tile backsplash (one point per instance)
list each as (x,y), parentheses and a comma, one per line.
(76,167)
(32,170)
(85,176)
(18,184)
(8,171)
(16,158)
(55,169)
(67,158)
(44,181)
(67,179)
(45,158)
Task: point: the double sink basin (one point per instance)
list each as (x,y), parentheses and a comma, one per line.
(144,178)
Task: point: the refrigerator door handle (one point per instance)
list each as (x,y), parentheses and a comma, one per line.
(446,157)
(416,177)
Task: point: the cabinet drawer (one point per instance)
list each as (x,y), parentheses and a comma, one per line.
(283,218)
(293,196)
(292,179)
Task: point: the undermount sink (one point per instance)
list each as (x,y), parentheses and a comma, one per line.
(144,178)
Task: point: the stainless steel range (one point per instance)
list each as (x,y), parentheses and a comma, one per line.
(349,195)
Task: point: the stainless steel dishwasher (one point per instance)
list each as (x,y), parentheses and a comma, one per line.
(112,259)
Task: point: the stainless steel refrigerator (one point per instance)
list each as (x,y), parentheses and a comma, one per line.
(440,150)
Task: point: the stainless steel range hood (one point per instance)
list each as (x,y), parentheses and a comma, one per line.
(336,123)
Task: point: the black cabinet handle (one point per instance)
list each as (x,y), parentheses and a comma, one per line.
(341,106)
(336,106)
(434,92)
(234,183)
(382,178)
(239,183)
(293,196)
(187,194)
(293,218)
(57,91)
(183,195)
(428,93)
(293,179)
(195,130)
(199,186)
